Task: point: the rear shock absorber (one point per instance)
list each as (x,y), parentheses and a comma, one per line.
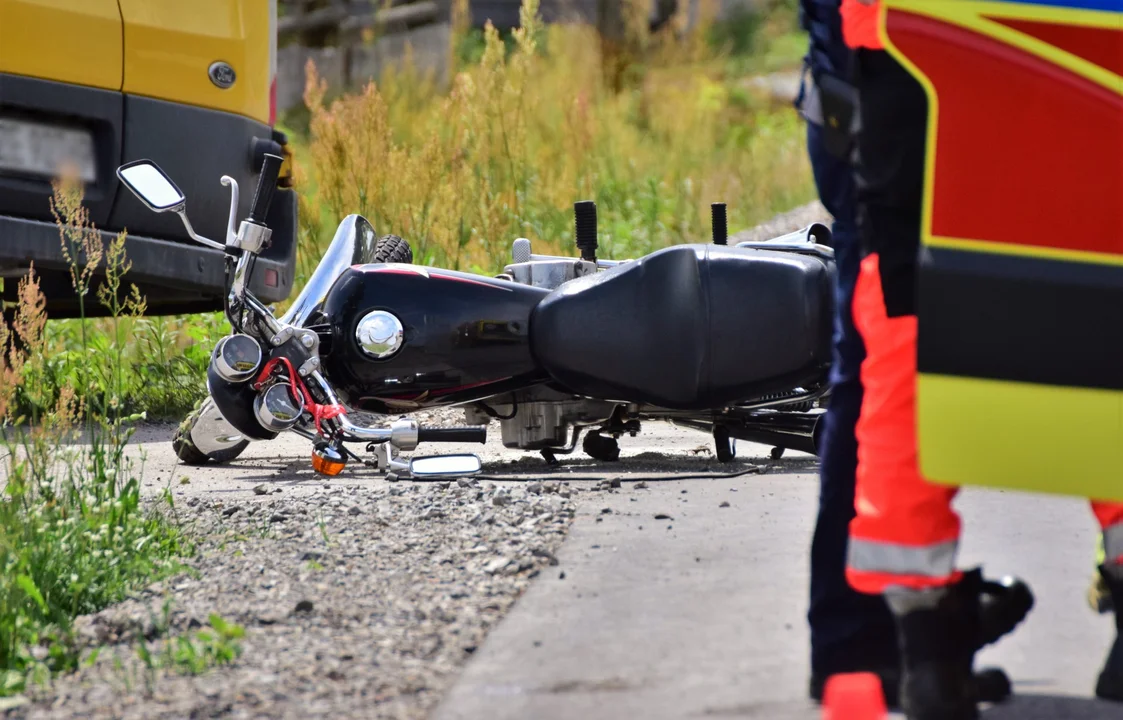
(585,216)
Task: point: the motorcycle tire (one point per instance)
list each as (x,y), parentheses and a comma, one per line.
(189,454)
(393,249)
(601,447)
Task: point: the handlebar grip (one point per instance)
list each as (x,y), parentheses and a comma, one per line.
(459,434)
(266,184)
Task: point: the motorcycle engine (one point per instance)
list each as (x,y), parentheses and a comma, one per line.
(540,418)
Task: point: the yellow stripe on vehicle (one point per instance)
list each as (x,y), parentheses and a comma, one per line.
(1020,436)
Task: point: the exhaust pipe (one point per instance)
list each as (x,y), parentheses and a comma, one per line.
(793,431)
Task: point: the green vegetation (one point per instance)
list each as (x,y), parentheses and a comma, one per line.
(196,652)
(530,127)
(74,535)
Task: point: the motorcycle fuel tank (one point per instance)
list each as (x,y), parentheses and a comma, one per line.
(404,337)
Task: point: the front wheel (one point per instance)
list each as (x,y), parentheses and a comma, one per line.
(393,249)
(204,436)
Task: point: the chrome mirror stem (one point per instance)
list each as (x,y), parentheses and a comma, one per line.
(182,212)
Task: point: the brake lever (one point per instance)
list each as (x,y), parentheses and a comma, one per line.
(231,232)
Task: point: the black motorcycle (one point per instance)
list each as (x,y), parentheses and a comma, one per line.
(733,341)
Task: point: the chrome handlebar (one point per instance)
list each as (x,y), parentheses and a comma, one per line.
(402,435)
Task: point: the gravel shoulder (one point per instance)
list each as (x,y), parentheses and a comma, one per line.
(359,597)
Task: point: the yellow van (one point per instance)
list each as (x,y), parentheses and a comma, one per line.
(98,83)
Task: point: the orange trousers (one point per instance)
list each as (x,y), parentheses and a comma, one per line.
(905,532)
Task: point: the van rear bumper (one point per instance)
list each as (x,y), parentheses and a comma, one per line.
(175,277)
(196,146)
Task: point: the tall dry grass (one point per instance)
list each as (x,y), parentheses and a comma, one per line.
(524,132)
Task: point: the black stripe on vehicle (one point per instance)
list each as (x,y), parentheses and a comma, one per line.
(1003,317)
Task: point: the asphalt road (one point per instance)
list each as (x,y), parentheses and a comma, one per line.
(702,614)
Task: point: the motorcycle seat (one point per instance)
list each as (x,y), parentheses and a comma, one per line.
(689,327)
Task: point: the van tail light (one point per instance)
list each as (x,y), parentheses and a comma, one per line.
(273,103)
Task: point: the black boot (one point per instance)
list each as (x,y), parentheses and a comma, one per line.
(939,631)
(1110,683)
(1003,604)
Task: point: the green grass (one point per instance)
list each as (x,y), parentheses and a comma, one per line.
(161,363)
(74,533)
(195,652)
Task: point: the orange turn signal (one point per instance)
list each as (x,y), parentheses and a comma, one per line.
(327,460)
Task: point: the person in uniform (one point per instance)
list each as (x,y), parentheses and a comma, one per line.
(850,631)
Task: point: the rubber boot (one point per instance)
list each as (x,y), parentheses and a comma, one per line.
(1003,604)
(1110,683)
(939,630)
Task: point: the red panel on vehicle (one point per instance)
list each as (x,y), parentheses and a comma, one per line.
(1027,153)
(1101,46)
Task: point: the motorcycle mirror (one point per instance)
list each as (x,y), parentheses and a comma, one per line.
(444,466)
(159,194)
(152,185)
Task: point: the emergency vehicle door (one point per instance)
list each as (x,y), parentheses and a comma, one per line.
(1020,351)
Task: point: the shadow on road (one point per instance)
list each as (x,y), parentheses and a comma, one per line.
(1052,707)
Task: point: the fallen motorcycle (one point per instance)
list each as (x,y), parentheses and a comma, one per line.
(733,341)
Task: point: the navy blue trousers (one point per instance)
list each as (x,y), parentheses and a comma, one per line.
(849,630)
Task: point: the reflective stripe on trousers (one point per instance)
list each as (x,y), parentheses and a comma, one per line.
(936,561)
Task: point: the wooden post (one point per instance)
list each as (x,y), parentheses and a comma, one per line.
(610,27)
